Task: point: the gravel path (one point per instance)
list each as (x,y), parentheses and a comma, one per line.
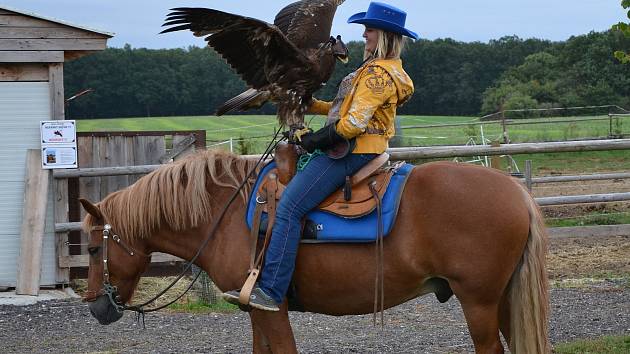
(419,326)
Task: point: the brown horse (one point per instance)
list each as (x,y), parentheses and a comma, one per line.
(461,229)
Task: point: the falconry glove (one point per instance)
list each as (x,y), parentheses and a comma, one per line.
(322,139)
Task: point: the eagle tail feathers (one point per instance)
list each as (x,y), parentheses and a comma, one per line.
(251,98)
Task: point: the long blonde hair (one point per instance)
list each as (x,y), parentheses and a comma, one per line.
(389,46)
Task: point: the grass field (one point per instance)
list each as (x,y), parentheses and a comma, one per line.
(604,345)
(251,133)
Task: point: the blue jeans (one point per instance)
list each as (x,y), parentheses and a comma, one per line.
(309,187)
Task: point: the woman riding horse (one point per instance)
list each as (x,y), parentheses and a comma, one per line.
(363,110)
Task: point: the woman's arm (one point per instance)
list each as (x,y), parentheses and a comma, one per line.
(375,87)
(319,107)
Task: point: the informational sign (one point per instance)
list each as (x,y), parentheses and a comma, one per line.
(59,144)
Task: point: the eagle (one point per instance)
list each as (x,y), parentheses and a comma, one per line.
(284,62)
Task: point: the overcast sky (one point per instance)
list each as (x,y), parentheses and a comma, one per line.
(137,22)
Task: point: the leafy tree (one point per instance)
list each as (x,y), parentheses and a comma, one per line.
(577,72)
(625,29)
(450,77)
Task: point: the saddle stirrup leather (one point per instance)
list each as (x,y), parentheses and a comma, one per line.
(255,263)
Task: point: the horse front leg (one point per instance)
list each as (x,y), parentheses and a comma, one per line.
(272,331)
(260,342)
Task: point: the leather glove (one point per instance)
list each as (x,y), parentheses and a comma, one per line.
(321,139)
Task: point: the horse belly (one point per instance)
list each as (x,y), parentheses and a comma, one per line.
(339,279)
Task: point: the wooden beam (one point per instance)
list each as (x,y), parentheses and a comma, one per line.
(593,177)
(33,222)
(23,72)
(20,20)
(70,55)
(31,56)
(55,72)
(83,259)
(52,44)
(104,171)
(47,32)
(587,198)
(411,153)
(182,146)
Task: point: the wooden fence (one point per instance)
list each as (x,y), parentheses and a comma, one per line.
(62,227)
(614,123)
(109,150)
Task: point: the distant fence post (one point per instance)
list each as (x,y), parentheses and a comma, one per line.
(397,139)
(495,160)
(528,174)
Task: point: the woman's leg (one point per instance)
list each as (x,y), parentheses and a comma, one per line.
(309,187)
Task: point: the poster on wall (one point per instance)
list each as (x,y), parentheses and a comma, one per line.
(59,157)
(59,144)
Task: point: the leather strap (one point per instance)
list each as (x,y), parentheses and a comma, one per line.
(254,232)
(370,168)
(257,262)
(379,289)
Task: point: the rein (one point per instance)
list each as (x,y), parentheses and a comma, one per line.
(111,291)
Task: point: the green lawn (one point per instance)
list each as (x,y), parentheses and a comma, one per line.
(221,306)
(251,133)
(604,345)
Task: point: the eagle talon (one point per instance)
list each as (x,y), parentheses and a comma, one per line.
(297,135)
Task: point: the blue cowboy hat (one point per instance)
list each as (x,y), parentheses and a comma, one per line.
(385,17)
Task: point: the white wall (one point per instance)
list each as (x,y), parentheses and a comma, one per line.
(22,106)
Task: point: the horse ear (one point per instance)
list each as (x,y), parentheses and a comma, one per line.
(91,208)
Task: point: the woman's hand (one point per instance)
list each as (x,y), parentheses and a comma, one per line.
(321,139)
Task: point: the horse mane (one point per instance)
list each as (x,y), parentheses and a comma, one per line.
(176,195)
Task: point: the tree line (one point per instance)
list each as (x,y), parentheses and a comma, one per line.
(450,77)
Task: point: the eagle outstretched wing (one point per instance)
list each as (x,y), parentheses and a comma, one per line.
(244,42)
(284,63)
(307,23)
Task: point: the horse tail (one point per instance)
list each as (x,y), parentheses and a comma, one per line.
(528,289)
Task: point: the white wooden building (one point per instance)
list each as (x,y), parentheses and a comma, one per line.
(33,50)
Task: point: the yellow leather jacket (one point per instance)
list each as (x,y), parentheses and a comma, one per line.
(369,109)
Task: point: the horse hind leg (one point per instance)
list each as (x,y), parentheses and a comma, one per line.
(505,317)
(483,324)
(482,317)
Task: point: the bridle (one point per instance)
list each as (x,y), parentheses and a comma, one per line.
(111,291)
(108,289)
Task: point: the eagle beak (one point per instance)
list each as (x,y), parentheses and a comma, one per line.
(343,59)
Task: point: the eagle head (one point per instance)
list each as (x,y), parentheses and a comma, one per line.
(339,49)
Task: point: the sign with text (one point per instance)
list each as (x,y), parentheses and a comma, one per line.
(59,144)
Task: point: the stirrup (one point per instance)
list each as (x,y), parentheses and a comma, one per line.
(247,288)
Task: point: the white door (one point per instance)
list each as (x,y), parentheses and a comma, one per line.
(22,106)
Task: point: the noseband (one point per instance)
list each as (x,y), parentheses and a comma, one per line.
(108,289)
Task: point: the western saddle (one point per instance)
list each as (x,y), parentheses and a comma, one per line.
(353,200)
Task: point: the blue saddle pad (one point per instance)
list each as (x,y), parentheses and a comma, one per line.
(334,228)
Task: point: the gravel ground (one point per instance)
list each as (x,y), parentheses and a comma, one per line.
(419,326)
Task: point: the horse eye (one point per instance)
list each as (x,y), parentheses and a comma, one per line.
(93,250)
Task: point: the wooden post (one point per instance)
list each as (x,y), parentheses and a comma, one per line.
(610,130)
(60,198)
(506,139)
(495,160)
(528,174)
(55,72)
(33,222)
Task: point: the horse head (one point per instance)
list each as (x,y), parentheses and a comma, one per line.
(115,267)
